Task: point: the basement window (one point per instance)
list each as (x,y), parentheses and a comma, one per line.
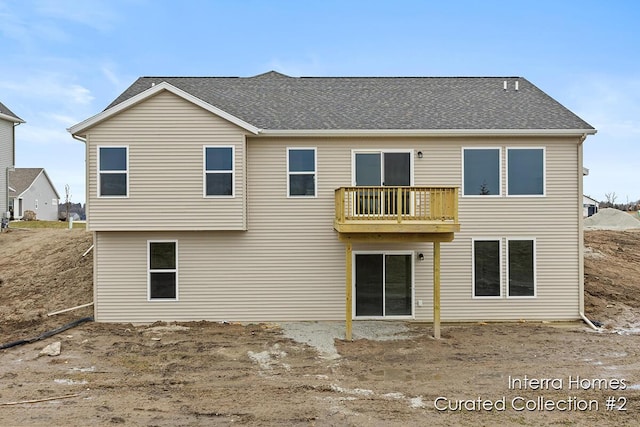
(486,268)
(521,265)
(163,270)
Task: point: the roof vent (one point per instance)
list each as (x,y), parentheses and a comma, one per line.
(152,84)
(504,86)
(517,85)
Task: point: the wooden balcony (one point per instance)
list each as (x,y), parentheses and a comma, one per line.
(397,210)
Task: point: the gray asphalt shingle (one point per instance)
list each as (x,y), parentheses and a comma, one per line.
(7,112)
(275,101)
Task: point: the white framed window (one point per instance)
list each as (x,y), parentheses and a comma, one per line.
(219,171)
(487,267)
(521,267)
(481,168)
(526,171)
(302,172)
(113,171)
(162,270)
(54,202)
(383,284)
(35,204)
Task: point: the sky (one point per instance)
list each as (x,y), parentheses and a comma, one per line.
(63,61)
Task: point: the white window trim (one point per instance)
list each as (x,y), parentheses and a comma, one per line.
(315,173)
(35,204)
(161,271)
(413,285)
(99,172)
(205,172)
(382,151)
(500,161)
(473,267)
(544,172)
(535,269)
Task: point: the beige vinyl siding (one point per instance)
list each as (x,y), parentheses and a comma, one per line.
(165,136)
(289,264)
(6,160)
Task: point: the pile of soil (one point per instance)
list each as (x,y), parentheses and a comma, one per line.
(43,271)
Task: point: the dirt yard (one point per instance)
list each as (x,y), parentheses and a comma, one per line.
(200,373)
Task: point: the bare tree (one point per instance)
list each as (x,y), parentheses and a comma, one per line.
(611,198)
(67,199)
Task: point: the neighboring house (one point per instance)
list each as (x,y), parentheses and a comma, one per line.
(31,189)
(278,198)
(590,206)
(8,122)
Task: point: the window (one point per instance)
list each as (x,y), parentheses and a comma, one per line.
(218,171)
(486,268)
(163,270)
(35,204)
(481,171)
(301,172)
(521,265)
(113,172)
(525,171)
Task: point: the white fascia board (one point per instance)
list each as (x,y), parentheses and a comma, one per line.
(81,127)
(46,175)
(427,132)
(11,118)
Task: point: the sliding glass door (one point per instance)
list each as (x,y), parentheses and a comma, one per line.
(383,285)
(381,169)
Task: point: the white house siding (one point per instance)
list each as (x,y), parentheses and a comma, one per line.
(6,159)
(165,135)
(42,192)
(289,264)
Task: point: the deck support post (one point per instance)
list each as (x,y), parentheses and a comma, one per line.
(349,291)
(436,290)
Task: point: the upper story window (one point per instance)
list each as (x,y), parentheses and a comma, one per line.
(218,171)
(481,171)
(113,171)
(301,172)
(525,172)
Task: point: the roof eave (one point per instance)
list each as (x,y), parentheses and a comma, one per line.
(427,132)
(81,128)
(12,119)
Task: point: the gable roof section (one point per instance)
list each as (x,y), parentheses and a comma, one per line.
(7,114)
(151,91)
(272,103)
(21,179)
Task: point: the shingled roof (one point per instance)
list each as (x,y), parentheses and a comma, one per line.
(8,114)
(20,179)
(274,101)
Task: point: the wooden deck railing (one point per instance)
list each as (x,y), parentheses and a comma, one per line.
(400,204)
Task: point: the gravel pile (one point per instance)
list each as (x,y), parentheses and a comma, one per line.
(611,219)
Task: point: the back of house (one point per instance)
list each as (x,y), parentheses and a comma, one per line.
(279,198)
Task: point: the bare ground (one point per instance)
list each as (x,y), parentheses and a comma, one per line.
(203,373)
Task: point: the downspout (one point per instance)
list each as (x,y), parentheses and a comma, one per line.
(581,240)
